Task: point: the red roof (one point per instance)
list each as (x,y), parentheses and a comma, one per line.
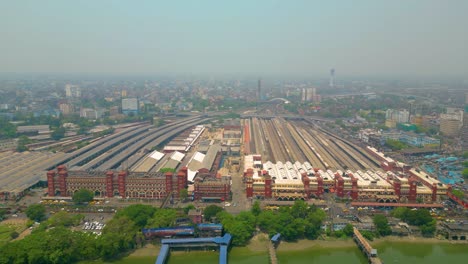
(396,204)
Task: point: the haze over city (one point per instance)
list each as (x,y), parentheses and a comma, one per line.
(234,131)
(305,38)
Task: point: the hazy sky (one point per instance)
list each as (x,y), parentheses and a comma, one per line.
(355,37)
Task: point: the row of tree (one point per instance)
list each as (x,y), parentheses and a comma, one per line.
(53,241)
(296,222)
(421,218)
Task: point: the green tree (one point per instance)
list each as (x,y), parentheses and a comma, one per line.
(465,173)
(211,211)
(240,227)
(83,196)
(459,194)
(183,194)
(299,209)
(65,219)
(7,129)
(429,229)
(118,236)
(162,218)
(14,235)
(395,144)
(3,213)
(36,212)
(400,212)
(58,133)
(348,230)
(139,213)
(465,163)
(188,208)
(268,222)
(22,142)
(256,210)
(381,225)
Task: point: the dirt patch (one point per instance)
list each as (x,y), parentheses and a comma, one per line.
(409,239)
(26,232)
(259,243)
(149,250)
(308,244)
(15,221)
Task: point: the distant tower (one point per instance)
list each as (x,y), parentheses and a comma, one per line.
(464,130)
(332,78)
(259,90)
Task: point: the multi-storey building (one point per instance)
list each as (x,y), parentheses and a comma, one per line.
(208,186)
(464,131)
(130,105)
(399,116)
(290,181)
(66,108)
(72,91)
(450,124)
(157,185)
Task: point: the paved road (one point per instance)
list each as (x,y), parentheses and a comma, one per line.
(239,199)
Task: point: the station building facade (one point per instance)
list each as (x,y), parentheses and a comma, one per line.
(136,185)
(156,185)
(290,181)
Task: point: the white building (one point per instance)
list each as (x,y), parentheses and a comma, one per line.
(89,113)
(72,91)
(399,116)
(130,105)
(309,94)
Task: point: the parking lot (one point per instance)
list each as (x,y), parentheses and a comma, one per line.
(93,226)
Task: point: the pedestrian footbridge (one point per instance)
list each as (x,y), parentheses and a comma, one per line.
(365,247)
(223,243)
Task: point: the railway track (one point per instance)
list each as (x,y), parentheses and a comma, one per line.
(304,147)
(344,160)
(323,149)
(311,143)
(295,151)
(356,151)
(281,140)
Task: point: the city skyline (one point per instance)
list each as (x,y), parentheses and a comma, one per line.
(302,38)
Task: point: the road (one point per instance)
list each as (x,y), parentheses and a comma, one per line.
(239,202)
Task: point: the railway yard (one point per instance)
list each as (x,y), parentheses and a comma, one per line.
(280,140)
(284,148)
(118,151)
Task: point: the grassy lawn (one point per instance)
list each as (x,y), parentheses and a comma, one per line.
(5,231)
(7,227)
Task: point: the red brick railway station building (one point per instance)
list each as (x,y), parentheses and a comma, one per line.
(153,185)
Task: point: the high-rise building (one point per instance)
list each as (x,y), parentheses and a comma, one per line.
(332,78)
(66,108)
(259,90)
(72,91)
(89,113)
(130,105)
(399,116)
(450,124)
(309,95)
(464,130)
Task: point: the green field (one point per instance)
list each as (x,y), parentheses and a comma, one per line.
(5,231)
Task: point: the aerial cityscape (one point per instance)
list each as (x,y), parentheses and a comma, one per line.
(233,132)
